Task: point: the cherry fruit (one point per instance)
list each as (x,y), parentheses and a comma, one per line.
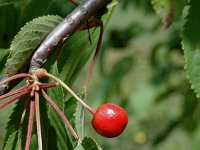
(109,120)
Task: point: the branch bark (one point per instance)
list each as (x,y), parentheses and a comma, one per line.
(65,29)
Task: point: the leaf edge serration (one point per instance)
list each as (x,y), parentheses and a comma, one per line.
(26,42)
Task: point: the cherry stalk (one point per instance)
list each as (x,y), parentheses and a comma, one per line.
(109,120)
(32,88)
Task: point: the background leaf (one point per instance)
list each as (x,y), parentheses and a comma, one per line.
(3,56)
(190,42)
(169,10)
(88,144)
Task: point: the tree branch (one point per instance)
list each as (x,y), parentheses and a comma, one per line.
(65,29)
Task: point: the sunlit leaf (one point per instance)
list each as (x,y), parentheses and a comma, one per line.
(26,42)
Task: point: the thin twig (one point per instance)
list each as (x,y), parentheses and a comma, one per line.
(13,92)
(48,85)
(70,91)
(95,55)
(17,76)
(61,114)
(73,2)
(37,111)
(30,124)
(14,98)
(24,111)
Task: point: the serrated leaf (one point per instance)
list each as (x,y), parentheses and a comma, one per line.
(13,127)
(26,42)
(60,132)
(75,112)
(191,45)
(24,45)
(88,144)
(80,120)
(169,10)
(70,110)
(11,141)
(14,141)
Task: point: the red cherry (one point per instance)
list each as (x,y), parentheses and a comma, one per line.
(109,120)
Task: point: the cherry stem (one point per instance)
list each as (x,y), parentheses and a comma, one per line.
(24,112)
(61,114)
(14,98)
(30,124)
(48,85)
(13,92)
(37,111)
(70,91)
(17,76)
(94,59)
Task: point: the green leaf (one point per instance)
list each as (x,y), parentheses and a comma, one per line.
(88,144)
(13,127)
(14,141)
(58,133)
(3,55)
(75,112)
(70,110)
(191,45)
(80,120)
(75,54)
(169,10)
(26,42)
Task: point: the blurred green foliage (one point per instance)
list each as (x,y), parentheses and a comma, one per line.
(141,67)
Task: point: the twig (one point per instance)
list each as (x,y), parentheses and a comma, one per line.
(14,98)
(37,111)
(30,124)
(61,114)
(14,92)
(69,90)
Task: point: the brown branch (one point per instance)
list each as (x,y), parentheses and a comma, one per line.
(65,29)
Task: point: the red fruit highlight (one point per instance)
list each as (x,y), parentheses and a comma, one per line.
(109,120)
